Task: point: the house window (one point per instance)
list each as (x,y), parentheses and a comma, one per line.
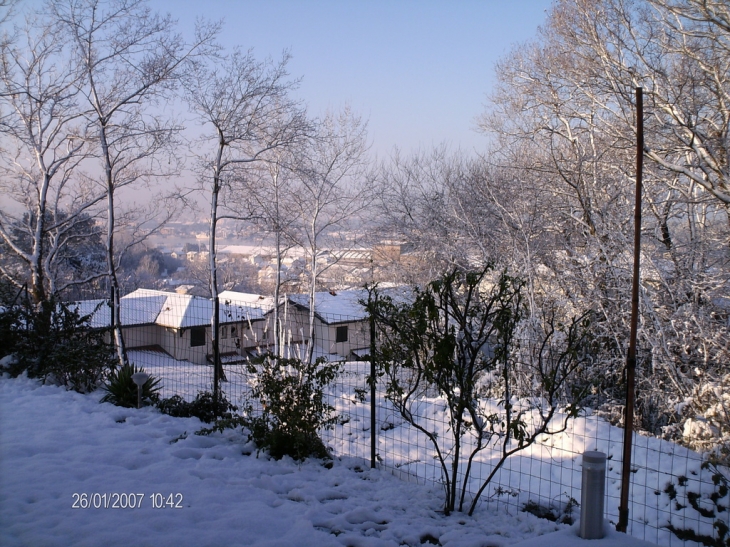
(197,337)
(224,332)
(234,331)
(341,335)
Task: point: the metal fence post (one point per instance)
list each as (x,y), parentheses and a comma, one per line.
(373,437)
(623,508)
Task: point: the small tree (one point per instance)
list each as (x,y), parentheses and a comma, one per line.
(458,338)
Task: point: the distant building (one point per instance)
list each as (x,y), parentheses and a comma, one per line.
(389,251)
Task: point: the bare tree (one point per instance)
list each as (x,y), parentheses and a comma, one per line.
(7,11)
(329,192)
(44,140)
(563,115)
(412,202)
(269,200)
(246,106)
(128,57)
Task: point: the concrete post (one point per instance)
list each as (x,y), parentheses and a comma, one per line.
(592,495)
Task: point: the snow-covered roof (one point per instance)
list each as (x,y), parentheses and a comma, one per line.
(139,310)
(184,310)
(97,310)
(340,306)
(167,309)
(333,307)
(239,305)
(142,307)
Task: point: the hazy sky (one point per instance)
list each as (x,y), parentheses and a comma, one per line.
(418,71)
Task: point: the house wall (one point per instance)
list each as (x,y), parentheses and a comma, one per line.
(197,355)
(177,343)
(248,334)
(173,343)
(358,336)
(296,322)
(143,335)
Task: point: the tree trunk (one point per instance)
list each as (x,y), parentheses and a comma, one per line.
(218,375)
(312,303)
(115,296)
(38,290)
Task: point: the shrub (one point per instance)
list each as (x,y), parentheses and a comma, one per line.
(458,339)
(710,507)
(9,330)
(554,512)
(204,407)
(122,391)
(55,343)
(290,393)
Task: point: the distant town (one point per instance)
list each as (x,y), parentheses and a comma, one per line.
(176,258)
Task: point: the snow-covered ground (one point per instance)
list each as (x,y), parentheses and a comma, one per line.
(65,457)
(547,473)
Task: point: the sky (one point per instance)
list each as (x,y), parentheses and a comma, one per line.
(417,71)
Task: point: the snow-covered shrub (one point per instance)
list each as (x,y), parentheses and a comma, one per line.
(693,501)
(457,341)
(290,407)
(707,427)
(555,512)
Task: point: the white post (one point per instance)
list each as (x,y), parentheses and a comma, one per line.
(592,495)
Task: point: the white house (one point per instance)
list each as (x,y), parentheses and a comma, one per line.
(341,324)
(180,324)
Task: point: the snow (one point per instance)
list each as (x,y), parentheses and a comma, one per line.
(337,305)
(56,446)
(148,306)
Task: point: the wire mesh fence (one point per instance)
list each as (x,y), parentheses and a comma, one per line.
(675,498)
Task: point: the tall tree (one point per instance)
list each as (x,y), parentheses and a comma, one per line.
(247,109)
(269,204)
(44,140)
(128,57)
(563,114)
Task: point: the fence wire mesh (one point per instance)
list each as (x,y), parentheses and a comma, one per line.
(170,337)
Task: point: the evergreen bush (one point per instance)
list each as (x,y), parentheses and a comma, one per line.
(290,394)
(122,391)
(53,342)
(459,339)
(204,407)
